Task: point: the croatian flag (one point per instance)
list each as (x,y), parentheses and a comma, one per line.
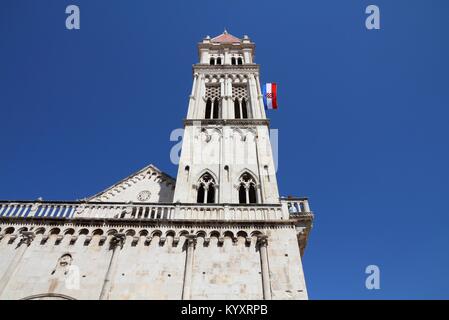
(270,96)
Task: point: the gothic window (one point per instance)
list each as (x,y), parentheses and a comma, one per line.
(242,194)
(252,194)
(200,194)
(247,189)
(233,61)
(208,109)
(244,110)
(213,91)
(213,108)
(237,108)
(206,189)
(216,109)
(211,195)
(240,61)
(212,61)
(241,106)
(219,60)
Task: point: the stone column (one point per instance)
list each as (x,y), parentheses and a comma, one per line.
(241,108)
(259,193)
(206,189)
(192,93)
(198,112)
(191,242)
(26,239)
(227,58)
(116,244)
(261,108)
(306,205)
(216,193)
(262,242)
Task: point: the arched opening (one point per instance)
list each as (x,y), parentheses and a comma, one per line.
(211,195)
(97,232)
(9,230)
(206,189)
(208,109)
(200,195)
(252,194)
(244,110)
(218,60)
(247,189)
(236,108)
(233,61)
(69,232)
(240,61)
(54,231)
(216,109)
(212,61)
(242,194)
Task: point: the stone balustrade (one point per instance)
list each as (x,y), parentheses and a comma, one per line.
(287,208)
(296,206)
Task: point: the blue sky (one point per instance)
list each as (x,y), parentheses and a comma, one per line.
(363,120)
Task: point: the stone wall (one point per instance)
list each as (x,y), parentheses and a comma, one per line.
(151,263)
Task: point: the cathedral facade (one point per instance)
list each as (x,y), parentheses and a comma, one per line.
(219,230)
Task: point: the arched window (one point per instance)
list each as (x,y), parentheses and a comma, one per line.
(206,189)
(212,61)
(218,60)
(236,108)
(247,189)
(233,61)
(216,109)
(242,194)
(244,110)
(208,109)
(240,61)
(252,194)
(200,194)
(211,195)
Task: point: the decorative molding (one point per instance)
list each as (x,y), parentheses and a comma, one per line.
(228,122)
(224,69)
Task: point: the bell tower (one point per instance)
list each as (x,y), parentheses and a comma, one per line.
(226,152)
(221,232)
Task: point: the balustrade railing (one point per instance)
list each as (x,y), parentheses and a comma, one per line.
(288,207)
(296,206)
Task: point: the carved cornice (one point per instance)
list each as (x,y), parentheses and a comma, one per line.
(227,122)
(148,223)
(124,204)
(225,68)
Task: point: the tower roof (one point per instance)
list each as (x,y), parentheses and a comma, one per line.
(225,37)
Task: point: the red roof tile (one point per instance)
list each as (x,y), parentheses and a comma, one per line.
(225,37)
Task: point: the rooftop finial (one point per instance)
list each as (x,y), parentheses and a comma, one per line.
(225,31)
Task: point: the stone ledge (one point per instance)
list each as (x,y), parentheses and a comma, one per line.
(229,122)
(148,222)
